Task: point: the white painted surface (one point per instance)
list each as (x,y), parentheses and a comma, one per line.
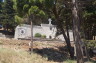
(60,37)
(44,29)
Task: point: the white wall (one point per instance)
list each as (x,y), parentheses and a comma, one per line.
(62,38)
(43,30)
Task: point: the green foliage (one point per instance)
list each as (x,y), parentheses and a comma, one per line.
(49,3)
(33,10)
(41,13)
(91,44)
(31,7)
(18,19)
(19,6)
(38,35)
(89,19)
(70,61)
(7,15)
(43,36)
(26,7)
(31,1)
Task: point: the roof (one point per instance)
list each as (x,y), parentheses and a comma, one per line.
(24,25)
(35,26)
(39,27)
(47,25)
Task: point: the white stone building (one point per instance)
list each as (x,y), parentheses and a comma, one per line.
(24,31)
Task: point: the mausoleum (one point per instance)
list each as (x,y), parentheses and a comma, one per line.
(24,31)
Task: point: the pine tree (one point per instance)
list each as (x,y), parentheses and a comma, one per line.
(8,14)
(1,2)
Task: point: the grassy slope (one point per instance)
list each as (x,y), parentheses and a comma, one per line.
(12,56)
(9,54)
(20,56)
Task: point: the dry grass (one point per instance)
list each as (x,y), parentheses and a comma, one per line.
(16,51)
(12,56)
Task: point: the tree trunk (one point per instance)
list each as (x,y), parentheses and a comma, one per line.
(31,36)
(60,26)
(67,29)
(76,26)
(7,27)
(71,52)
(30,18)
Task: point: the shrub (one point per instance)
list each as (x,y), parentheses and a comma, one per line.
(38,35)
(43,36)
(91,44)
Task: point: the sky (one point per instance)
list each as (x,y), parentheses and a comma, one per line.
(1,0)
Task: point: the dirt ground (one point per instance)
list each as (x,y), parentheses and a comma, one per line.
(24,44)
(53,50)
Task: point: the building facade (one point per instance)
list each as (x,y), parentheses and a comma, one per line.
(49,30)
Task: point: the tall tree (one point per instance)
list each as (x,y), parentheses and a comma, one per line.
(1,2)
(8,13)
(56,8)
(89,22)
(30,9)
(76,26)
(53,8)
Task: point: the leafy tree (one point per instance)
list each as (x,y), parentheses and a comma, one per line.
(88,24)
(52,8)
(30,9)
(76,31)
(90,20)
(1,9)
(56,8)
(8,13)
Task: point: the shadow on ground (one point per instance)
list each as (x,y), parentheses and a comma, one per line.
(57,55)
(93,61)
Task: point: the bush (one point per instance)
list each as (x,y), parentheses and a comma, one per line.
(43,36)
(91,44)
(38,35)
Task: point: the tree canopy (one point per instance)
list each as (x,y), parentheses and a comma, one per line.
(79,16)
